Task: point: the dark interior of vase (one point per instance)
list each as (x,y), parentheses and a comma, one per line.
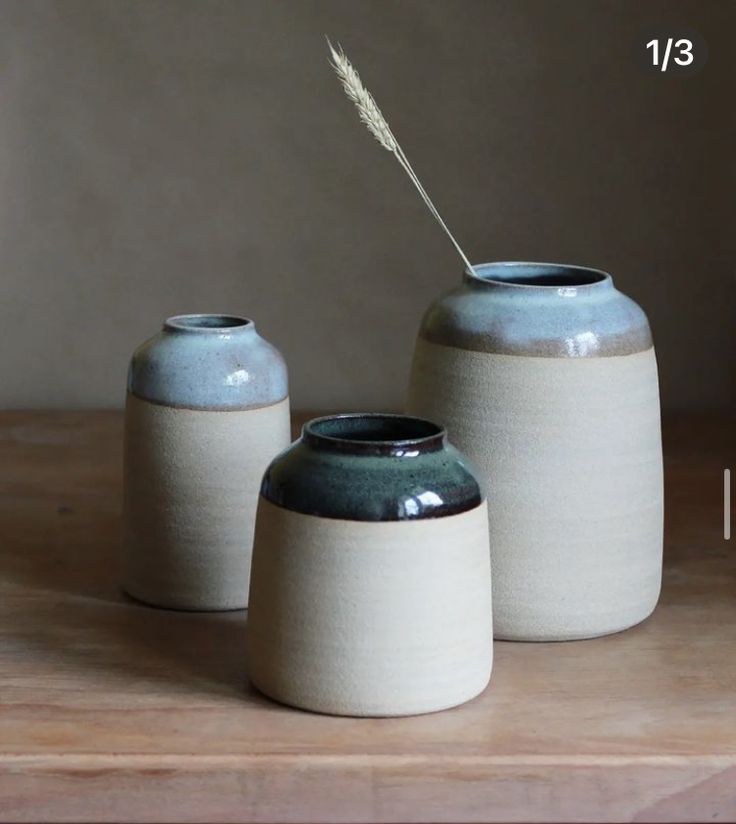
(539,274)
(375,428)
(213,321)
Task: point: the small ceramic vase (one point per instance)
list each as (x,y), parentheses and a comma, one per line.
(207,409)
(545,376)
(371,588)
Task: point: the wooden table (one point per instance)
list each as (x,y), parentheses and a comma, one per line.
(112,711)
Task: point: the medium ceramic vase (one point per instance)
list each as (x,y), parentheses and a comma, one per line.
(545,376)
(371,589)
(207,409)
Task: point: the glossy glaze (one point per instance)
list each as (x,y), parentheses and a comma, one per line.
(208,362)
(372,467)
(540,310)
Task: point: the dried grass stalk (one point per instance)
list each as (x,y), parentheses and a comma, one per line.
(377,124)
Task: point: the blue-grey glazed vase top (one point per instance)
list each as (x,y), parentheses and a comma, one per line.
(538,310)
(372,467)
(208,361)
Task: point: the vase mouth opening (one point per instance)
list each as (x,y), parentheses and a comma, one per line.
(374,433)
(527,275)
(208,323)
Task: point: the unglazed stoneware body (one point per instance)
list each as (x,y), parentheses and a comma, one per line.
(545,376)
(207,409)
(371,588)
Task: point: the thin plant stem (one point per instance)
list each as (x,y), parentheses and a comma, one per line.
(378,126)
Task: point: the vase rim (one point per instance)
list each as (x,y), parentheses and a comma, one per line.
(374,433)
(208,323)
(531,275)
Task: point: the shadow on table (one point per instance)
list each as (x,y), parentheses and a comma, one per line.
(62,604)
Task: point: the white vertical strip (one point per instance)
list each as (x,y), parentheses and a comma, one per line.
(727,504)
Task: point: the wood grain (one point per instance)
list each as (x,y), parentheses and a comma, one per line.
(112,711)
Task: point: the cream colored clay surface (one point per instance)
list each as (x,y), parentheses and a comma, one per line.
(570,452)
(370,618)
(192,481)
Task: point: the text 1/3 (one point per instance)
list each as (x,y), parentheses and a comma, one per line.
(683,52)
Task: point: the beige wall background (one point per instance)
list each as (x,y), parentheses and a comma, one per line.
(166,157)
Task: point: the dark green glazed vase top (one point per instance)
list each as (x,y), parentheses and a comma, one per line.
(372,467)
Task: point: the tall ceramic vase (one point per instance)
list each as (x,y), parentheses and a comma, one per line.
(545,376)
(371,587)
(207,409)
